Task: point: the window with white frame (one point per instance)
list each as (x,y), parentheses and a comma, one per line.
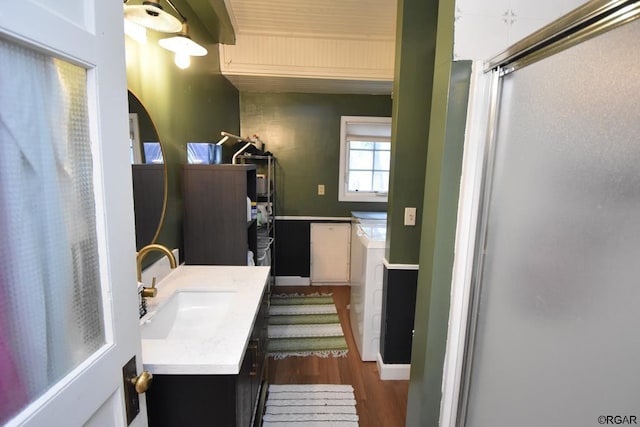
(365,158)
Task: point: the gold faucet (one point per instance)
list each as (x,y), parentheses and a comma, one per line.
(152,291)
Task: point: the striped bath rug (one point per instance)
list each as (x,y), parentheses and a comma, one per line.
(305,325)
(310,405)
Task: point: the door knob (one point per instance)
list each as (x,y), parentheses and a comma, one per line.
(133,385)
(142,382)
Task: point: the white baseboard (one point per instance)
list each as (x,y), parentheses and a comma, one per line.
(329,283)
(392,371)
(292,281)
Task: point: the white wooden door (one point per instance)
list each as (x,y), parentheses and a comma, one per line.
(88,34)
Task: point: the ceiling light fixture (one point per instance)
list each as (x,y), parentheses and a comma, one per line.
(135,31)
(183,46)
(150,15)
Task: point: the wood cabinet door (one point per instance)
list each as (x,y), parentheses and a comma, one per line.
(244,391)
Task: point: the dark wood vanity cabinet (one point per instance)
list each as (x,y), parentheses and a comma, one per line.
(217,230)
(215,400)
(253,375)
(260,340)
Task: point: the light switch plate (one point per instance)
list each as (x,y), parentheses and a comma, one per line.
(320,189)
(409,216)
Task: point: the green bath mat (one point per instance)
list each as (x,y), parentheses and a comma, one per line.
(305,325)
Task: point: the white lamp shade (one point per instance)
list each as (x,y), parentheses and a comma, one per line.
(182,44)
(152,16)
(135,31)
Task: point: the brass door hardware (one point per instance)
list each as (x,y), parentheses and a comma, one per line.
(142,382)
(134,384)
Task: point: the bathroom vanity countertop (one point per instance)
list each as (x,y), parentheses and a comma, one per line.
(223,351)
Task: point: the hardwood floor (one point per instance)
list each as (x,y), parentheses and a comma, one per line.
(379,403)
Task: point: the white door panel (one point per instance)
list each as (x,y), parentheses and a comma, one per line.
(90,34)
(70,37)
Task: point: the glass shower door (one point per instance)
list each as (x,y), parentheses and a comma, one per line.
(557,338)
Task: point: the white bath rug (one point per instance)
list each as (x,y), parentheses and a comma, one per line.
(310,405)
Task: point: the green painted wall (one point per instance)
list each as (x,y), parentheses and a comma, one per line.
(185,105)
(413,79)
(146,127)
(303,132)
(444,168)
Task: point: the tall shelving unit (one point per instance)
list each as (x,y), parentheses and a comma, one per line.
(217,229)
(266,232)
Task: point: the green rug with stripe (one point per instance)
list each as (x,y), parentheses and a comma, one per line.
(305,325)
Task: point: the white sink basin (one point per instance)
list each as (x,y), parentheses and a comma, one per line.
(201,319)
(188,315)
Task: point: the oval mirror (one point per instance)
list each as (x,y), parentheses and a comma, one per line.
(149,174)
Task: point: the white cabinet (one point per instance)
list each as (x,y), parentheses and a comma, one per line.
(330,244)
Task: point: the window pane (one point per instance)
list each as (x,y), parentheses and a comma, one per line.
(152,153)
(381,181)
(360,159)
(361,145)
(199,153)
(383,146)
(360,181)
(382,160)
(365,147)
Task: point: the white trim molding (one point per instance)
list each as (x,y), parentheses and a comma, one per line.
(392,371)
(468,207)
(400,266)
(314,218)
(292,281)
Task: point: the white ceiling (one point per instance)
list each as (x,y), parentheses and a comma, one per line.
(368,19)
(307,24)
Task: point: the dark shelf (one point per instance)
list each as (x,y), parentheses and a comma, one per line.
(265,197)
(265,165)
(216,231)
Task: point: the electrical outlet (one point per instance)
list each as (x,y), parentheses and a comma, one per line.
(320,189)
(409,216)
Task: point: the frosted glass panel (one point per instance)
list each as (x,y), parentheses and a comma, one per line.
(558,338)
(50,301)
